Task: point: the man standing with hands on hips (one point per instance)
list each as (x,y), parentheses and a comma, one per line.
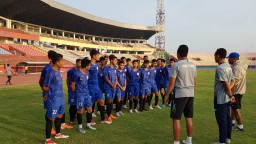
(183,80)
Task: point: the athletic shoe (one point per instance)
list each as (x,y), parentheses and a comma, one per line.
(89,126)
(60,135)
(49,142)
(118,114)
(130,111)
(105,121)
(239,129)
(124,106)
(169,105)
(94,115)
(112,116)
(53,132)
(65,126)
(218,143)
(185,142)
(228,141)
(150,107)
(157,106)
(163,106)
(109,119)
(121,113)
(72,123)
(93,122)
(98,112)
(135,110)
(81,130)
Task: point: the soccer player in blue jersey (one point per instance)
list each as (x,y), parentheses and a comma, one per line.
(164,81)
(81,92)
(42,77)
(133,80)
(127,68)
(121,87)
(93,85)
(153,87)
(159,75)
(71,97)
(101,77)
(110,74)
(144,84)
(54,98)
(169,67)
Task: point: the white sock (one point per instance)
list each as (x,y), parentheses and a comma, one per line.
(176,142)
(189,139)
(88,124)
(48,139)
(240,126)
(80,126)
(233,121)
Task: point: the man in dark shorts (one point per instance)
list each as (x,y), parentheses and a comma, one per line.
(239,72)
(183,80)
(9,72)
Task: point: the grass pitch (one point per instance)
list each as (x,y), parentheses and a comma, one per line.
(22,119)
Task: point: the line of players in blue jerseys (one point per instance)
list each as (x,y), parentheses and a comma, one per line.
(110,85)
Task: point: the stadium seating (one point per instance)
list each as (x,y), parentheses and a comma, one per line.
(26,50)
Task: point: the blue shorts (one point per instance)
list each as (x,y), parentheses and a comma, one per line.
(110,94)
(134,90)
(120,93)
(83,102)
(71,98)
(153,88)
(145,91)
(164,85)
(95,93)
(159,85)
(54,111)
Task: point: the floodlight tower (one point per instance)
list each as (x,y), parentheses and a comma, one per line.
(160,22)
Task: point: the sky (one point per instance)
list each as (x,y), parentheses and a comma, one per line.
(203,25)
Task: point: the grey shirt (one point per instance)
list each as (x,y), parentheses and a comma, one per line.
(184,72)
(223,73)
(8,71)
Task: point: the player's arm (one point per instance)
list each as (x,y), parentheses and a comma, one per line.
(227,88)
(73,86)
(41,81)
(170,86)
(195,80)
(67,81)
(124,84)
(108,81)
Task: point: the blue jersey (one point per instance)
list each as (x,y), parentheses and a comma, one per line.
(45,70)
(81,80)
(93,76)
(152,75)
(70,75)
(111,73)
(144,79)
(165,74)
(53,81)
(169,68)
(127,69)
(134,77)
(159,75)
(101,78)
(121,77)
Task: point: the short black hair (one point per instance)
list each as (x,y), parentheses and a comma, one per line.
(221,52)
(128,59)
(56,57)
(163,60)
(111,57)
(120,62)
(51,53)
(153,60)
(8,64)
(172,59)
(102,58)
(146,61)
(135,61)
(85,62)
(94,52)
(122,58)
(183,50)
(145,56)
(159,59)
(78,60)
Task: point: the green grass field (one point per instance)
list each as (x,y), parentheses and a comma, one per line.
(22,119)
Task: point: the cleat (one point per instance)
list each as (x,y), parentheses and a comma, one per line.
(105,121)
(185,142)
(94,115)
(163,106)
(112,116)
(239,129)
(135,110)
(118,114)
(53,132)
(109,119)
(89,126)
(49,142)
(150,107)
(81,130)
(60,135)
(121,113)
(169,105)
(93,122)
(130,111)
(124,106)
(157,106)
(65,126)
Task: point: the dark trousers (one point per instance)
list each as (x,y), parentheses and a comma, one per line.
(222,114)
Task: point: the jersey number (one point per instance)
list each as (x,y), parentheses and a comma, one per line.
(54,112)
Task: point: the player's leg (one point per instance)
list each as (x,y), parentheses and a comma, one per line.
(88,107)
(101,101)
(121,102)
(188,113)
(72,114)
(118,101)
(48,126)
(57,122)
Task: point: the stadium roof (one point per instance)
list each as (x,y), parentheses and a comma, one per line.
(50,13)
